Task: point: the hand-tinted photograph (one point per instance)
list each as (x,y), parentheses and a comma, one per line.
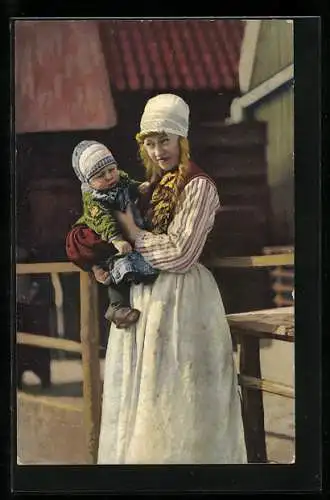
(155,241)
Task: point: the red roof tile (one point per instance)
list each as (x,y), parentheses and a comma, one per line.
(61,79)
(180,54)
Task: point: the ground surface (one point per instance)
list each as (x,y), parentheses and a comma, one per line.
(54,434)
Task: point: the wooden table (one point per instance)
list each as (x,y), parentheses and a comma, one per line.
(250,327)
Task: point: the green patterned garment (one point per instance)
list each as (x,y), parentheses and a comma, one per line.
(98,214)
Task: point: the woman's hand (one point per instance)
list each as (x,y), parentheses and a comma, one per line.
(144,187)
(127,222)
(122,246)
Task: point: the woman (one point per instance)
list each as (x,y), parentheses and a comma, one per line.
(170,385)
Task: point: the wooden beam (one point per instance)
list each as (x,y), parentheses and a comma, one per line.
(91,364)
(253,261)
(266,386)
(250,325)
(260,334)
(283,259)
(239,105)
(47,401)
(278,249)
(46,268)
(248,53)
(59,299)
(282,301)
(252,402)
(273,313)
(280,272)
(276,323)
(48,342)
(281,288)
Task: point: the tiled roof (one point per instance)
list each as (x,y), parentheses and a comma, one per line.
(61,79)
(181,54)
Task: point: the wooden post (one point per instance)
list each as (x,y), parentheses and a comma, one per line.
(89,334)
(58,289)
(252,401)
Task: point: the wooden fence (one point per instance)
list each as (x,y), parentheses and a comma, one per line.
(88,345)
(249,327)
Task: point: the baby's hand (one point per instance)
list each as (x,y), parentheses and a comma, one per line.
(143,188)
(122,246)
(100,274)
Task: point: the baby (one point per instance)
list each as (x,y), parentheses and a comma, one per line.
(106,189)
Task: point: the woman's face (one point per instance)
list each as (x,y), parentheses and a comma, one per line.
(163,149)
(105,178)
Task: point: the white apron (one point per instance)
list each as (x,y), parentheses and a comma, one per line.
(170,385)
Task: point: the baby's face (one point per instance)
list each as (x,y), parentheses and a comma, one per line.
(105,178)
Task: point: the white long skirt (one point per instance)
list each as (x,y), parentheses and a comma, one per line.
(170,385)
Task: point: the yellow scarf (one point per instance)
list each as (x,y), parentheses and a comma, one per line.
(164,199)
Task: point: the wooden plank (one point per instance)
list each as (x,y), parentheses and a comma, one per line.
(237,129)
(48,342)
(47,401)
(266,386)
(222,164)
(281,288)
(236,136)
(268,323)
(254,261)
(46,268)
(58,291)
(271,314)
(252,402)
(261,326)
(278,249)
(91,365)
(98,385)
(206,140)
(281,301)
(231,197)
(230,173)
(240,333)
(280,272)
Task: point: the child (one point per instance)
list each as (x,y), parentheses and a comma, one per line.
(106,189)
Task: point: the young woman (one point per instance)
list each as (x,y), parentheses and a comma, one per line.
(170,385)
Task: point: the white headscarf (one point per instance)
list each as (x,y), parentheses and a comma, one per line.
(165,113)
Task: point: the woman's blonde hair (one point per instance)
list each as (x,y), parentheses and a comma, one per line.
(167,190)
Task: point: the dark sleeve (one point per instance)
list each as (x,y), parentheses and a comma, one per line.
(133,185)
(133,188)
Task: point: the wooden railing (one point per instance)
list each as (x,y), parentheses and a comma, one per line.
(280,259)
(248,329)
(88,345)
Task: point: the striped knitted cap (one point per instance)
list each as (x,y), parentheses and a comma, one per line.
(89,157)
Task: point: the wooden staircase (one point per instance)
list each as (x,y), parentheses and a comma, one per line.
(235,157)
(281,279)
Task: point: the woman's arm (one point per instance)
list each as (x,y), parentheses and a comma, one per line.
(183,244)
